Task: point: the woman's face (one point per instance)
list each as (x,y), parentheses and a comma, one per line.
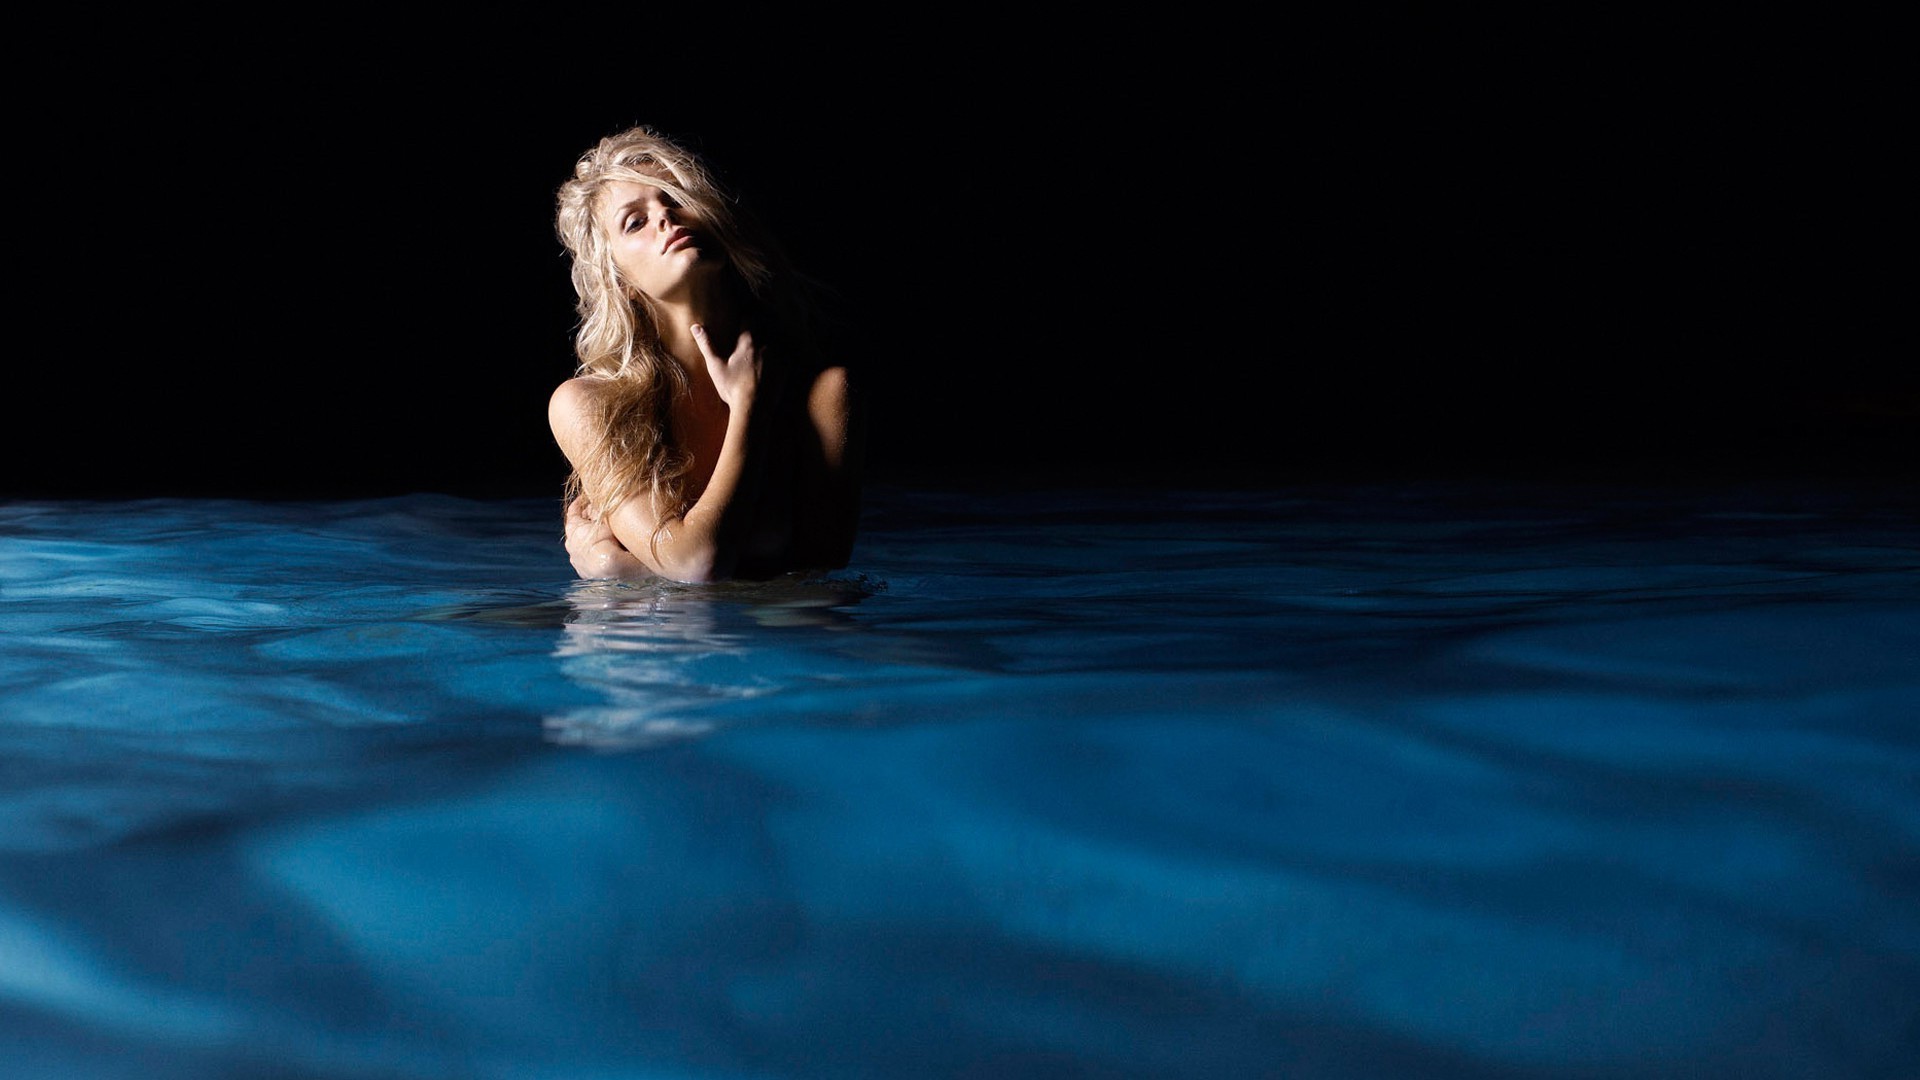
(661,247)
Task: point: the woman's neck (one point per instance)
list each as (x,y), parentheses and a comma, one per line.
(718,311)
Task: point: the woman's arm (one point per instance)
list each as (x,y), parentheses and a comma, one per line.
(593,549)
(704,543)
(829,507)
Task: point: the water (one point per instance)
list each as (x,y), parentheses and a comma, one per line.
(1397,780)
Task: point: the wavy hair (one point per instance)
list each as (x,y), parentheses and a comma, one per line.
(618,333)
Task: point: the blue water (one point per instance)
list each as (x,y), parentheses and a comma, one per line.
(1369,780)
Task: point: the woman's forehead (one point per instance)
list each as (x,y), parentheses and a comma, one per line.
(618,193)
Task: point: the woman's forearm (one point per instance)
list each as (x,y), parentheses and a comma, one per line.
(610,559)
(705,544)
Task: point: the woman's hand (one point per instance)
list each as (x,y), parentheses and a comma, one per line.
(737,377)
(591,546)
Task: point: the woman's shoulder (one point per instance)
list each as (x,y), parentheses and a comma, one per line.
(830,391)
(578,392)
(832,379)
(573,405)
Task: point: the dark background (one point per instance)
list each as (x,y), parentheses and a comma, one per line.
(313,256)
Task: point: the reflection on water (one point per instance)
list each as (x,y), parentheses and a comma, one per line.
(1448,783)
(662,655)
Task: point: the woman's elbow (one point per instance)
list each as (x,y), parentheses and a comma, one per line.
(701,567)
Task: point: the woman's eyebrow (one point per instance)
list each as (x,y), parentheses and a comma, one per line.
(619,211)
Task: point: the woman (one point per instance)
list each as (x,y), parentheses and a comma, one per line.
(709,438)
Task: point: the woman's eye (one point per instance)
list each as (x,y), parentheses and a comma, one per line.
(633,223)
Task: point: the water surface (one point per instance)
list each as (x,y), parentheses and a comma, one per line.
(1423,779)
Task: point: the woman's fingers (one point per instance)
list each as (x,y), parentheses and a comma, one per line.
(737,373)
(743,349)
(582,531)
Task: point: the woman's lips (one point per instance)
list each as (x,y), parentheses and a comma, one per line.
(676,239)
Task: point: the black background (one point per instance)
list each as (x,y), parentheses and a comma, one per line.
(313,256)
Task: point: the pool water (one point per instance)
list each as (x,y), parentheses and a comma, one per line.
(1408,779)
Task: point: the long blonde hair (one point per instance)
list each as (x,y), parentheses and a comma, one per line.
(618,334)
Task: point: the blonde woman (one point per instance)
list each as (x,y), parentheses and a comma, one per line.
(709,438)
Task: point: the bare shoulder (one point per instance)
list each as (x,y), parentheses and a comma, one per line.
(577,393)
(831,412)
(831,395)
(571,411)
